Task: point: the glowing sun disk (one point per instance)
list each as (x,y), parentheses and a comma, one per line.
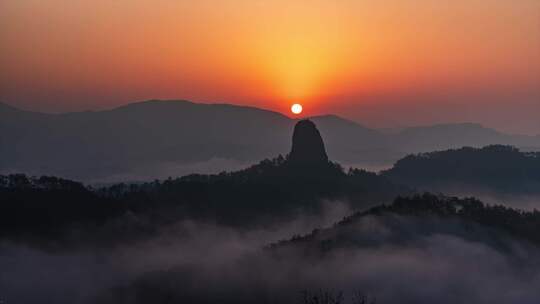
(296,108)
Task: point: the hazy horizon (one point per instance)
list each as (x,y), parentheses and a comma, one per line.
(392,64)
(375,126)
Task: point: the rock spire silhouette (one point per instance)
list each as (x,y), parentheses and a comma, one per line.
(307,145)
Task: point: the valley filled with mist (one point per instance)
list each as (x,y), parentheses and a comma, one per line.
(294,228)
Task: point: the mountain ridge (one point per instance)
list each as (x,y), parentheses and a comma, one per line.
(333,117)
(494,169)
(160,138)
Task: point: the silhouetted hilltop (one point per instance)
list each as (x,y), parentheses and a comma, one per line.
(409,220)
(32,208)
(496,167)
(307,145)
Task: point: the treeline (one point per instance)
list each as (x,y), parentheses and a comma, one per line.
(496,167)
(271,189)
(519,223)
(266,193)
(23,182)
(467,211)
(37,207)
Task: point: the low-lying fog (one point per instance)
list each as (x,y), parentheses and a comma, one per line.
(204,263)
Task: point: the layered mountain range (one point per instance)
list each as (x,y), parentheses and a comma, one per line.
(215,238)
(157,138)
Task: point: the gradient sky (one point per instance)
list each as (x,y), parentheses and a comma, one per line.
(385,63)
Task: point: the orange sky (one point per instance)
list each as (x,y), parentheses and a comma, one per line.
(384,63)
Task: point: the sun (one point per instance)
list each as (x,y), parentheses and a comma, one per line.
(296,108)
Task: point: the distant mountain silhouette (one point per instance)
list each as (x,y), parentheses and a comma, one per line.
(92,145)
(496,168)
(151,138)
(445,136)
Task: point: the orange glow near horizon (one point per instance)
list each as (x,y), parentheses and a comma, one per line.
(72,55)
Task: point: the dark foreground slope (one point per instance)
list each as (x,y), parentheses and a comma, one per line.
(409,219)
(265,194)
(38,209)
(420,249)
